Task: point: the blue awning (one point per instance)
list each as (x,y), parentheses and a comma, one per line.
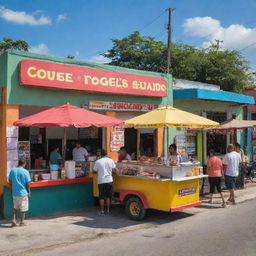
(213,95)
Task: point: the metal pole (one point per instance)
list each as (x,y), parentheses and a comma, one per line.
(64,144)
(169,42)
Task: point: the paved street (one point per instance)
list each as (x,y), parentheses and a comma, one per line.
(205,230)
(230,231)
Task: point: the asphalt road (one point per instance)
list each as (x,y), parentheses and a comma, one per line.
(229,231)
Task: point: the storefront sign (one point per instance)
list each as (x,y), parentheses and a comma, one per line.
(117,138)
(121,106)
(52,75)
(187,191)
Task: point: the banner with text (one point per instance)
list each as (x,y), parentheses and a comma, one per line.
(121,106)
(52,75)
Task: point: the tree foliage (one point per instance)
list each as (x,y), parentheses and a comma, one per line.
(9,43)
(211,65)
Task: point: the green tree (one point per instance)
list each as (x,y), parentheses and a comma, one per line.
(9,43)
(222,67)
(137,52)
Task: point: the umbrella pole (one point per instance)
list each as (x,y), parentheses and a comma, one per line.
(64,144)
(138,143)
(166,144)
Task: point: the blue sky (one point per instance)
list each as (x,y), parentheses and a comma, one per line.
(84,28)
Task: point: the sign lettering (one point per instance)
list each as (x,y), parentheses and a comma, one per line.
(186,191)
(121,106)
(52,75)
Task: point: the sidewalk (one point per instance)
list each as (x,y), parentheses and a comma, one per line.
(66,228)
(242,195)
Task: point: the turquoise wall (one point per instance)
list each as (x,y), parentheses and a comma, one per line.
(3,69)
(36,96)
(50,199)
(197,106)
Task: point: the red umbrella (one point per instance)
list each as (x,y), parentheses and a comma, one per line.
(68,116)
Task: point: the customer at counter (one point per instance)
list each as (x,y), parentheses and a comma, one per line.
(104,167)
(80,155)
(123,155)
(174,157)
(55,159)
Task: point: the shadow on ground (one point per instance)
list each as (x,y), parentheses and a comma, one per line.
(117,219)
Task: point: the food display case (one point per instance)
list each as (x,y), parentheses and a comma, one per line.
(141,186)
(184,171)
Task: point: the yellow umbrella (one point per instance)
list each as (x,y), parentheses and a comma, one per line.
(170,117)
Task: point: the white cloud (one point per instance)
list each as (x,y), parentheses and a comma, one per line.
(40,49)
(99,59)
(234,37)
(201,26)
(22,18)
(61,17)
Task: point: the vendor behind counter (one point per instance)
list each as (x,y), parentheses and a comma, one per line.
(55,160)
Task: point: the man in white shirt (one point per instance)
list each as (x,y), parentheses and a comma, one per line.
(80,155)
(104,167)
(231,164)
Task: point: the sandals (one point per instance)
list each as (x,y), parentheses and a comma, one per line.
(14,224)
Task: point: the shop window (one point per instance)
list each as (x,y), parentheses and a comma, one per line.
(23,133)
(253,116)
(215,141)
(130,137)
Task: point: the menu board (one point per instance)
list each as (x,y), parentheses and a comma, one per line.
(180,141)
(24,152)
(12,133)
(186,144)
(10,165)
(117,138)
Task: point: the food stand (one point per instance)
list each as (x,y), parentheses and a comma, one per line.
(151,183)
(63,191)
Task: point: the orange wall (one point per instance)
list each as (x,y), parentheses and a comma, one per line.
(159,142)
(8,114)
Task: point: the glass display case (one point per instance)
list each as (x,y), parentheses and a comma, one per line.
(181,172)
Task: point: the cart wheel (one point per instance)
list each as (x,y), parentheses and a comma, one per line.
(134,208)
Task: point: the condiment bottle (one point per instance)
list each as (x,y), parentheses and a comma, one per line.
(35,177)
(62,173)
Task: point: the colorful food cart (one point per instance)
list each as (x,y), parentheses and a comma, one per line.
(165,188)
(154,185)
